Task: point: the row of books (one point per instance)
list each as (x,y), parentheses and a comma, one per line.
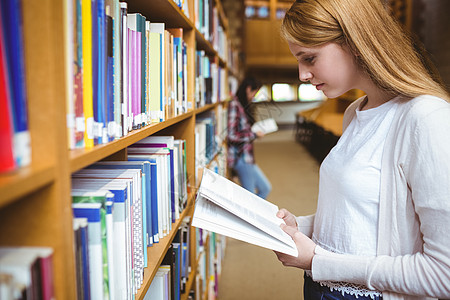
(123,72)
(206,19)
(210,133)
(209,266)
(211,84)
(172,275)
(26,273)
(15,150)
(129,206)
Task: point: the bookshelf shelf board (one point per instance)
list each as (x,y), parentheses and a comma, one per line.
(203,44)
(156,253)
(24,181)
(205,108)
(163,11)
(80,158)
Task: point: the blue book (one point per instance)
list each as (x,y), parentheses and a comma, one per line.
(102,70)
(95,69)
(106,199)
(83,244)
(11,16)
(177,250)
(119,188)
(92,211)
(154,191)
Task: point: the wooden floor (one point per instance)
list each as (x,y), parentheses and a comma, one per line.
(250,272)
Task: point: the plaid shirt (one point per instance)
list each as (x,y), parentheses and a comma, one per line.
(240,136)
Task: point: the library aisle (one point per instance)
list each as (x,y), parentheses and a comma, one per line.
(251,272)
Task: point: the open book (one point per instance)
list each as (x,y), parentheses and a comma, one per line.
(228,209)
(266,126)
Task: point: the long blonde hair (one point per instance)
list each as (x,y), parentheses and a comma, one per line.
(383,50)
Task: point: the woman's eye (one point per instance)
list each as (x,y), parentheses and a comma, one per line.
(309,59)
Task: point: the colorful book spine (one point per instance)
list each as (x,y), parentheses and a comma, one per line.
(156,72)
(124,66)
(7,162)
(88,96)
(117,54)
(78,76)
(110,121)
(11,17)
(94,209)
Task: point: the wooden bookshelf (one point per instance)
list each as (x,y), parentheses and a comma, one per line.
(35,202)
(157,251)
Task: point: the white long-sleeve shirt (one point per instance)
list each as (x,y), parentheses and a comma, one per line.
(412,258)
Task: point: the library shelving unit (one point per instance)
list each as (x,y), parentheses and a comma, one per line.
(35,201)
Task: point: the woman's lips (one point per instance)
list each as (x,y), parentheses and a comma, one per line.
(319,86)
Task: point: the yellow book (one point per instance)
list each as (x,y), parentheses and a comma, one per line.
(86,28)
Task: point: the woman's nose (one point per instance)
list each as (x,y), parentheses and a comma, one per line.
(304,75)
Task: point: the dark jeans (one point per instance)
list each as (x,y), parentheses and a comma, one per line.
(314,291)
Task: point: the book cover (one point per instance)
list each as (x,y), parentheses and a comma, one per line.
(219,208)
(157,72)
(157,289)
(157,142)
(30,268)
(138,78)
(81,257)
(162,156)
(93,207)
(143,68)
(144,167)
(177,34)
(69,25)
(77,99)
(121,224)
(7,162)
(161,186)
(124,66)
(88,96)
(138,30)
(117,65)
(111,125)
(135,244)
(12,32)
(99,70)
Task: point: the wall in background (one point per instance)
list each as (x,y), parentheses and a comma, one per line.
(284,113)
(431,23)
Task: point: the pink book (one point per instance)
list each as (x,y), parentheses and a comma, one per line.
(138,76)
(46,264)
(130,77)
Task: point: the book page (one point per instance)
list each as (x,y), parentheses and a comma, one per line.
(265,126)
(212,217)
(244,204)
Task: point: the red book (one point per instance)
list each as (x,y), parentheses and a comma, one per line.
(7,162)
